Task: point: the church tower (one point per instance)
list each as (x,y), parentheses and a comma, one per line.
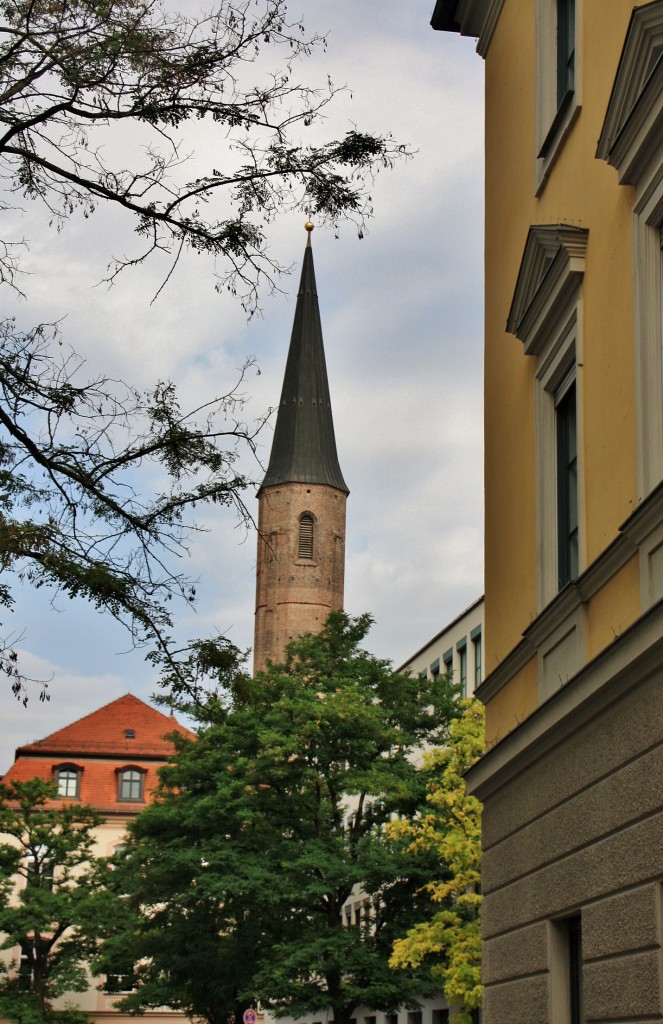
(301,517)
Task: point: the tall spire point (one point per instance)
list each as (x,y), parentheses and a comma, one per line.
(304,446)
(309,228)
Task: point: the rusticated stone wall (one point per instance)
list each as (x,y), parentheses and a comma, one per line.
(580,831)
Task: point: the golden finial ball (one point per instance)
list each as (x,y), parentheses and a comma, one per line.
(309,226)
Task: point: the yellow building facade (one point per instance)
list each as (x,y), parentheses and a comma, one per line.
(572,780)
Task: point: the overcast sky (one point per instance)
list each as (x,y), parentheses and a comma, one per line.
(402,322)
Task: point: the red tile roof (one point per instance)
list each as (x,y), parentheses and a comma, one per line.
(98,747)
(103,732)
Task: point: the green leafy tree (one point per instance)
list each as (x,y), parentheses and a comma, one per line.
(449,938)
(50,906)
(271,823)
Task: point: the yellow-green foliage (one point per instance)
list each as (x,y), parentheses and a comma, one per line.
(451,939)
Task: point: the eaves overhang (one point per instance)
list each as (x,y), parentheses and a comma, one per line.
(475,18)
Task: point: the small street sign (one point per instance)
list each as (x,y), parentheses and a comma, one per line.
(250,1017)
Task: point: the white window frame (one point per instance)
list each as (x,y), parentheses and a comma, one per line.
(631,141)
(461,651)
(648,275)
(546,314)
(64,775)
(551,129)
(558,363)
(477,649)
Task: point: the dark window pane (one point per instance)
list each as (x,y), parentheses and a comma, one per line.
(567,487)
(566,48)
(575,969)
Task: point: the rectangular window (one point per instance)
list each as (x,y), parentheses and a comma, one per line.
(131,785)
(67,782)
(306,537)
(566,49)
(567,481)
(448,660)
(440,1017)
(435,668)
(461,647)
(475,637)
(414,1017)
(122,981)
(25,976)
(566,969)
(557,80)
(574,931)
(40,870)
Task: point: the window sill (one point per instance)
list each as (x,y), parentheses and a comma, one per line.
(553,140)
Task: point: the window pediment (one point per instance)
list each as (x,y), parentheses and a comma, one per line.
(634,118)
(551,269)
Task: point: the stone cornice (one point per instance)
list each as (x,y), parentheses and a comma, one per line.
(632,533)
(631,658)
(476,18)
(647,516)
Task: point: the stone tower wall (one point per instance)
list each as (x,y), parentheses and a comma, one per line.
(295,595)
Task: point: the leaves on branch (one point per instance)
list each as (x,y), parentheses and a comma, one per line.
(74,76)
(267,825)
(72,71)
(75,456)
(56,913)
(450,938)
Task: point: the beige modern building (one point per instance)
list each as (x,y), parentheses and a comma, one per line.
(572,782)
(458,649)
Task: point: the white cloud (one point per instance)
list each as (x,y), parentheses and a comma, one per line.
(72,696)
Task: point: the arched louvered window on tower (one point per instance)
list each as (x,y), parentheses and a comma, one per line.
(305,549)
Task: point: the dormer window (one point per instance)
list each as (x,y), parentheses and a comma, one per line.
(130,734)
(68,780)
(131,784)
(305,548)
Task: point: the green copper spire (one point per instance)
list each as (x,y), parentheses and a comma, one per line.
(304,446)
